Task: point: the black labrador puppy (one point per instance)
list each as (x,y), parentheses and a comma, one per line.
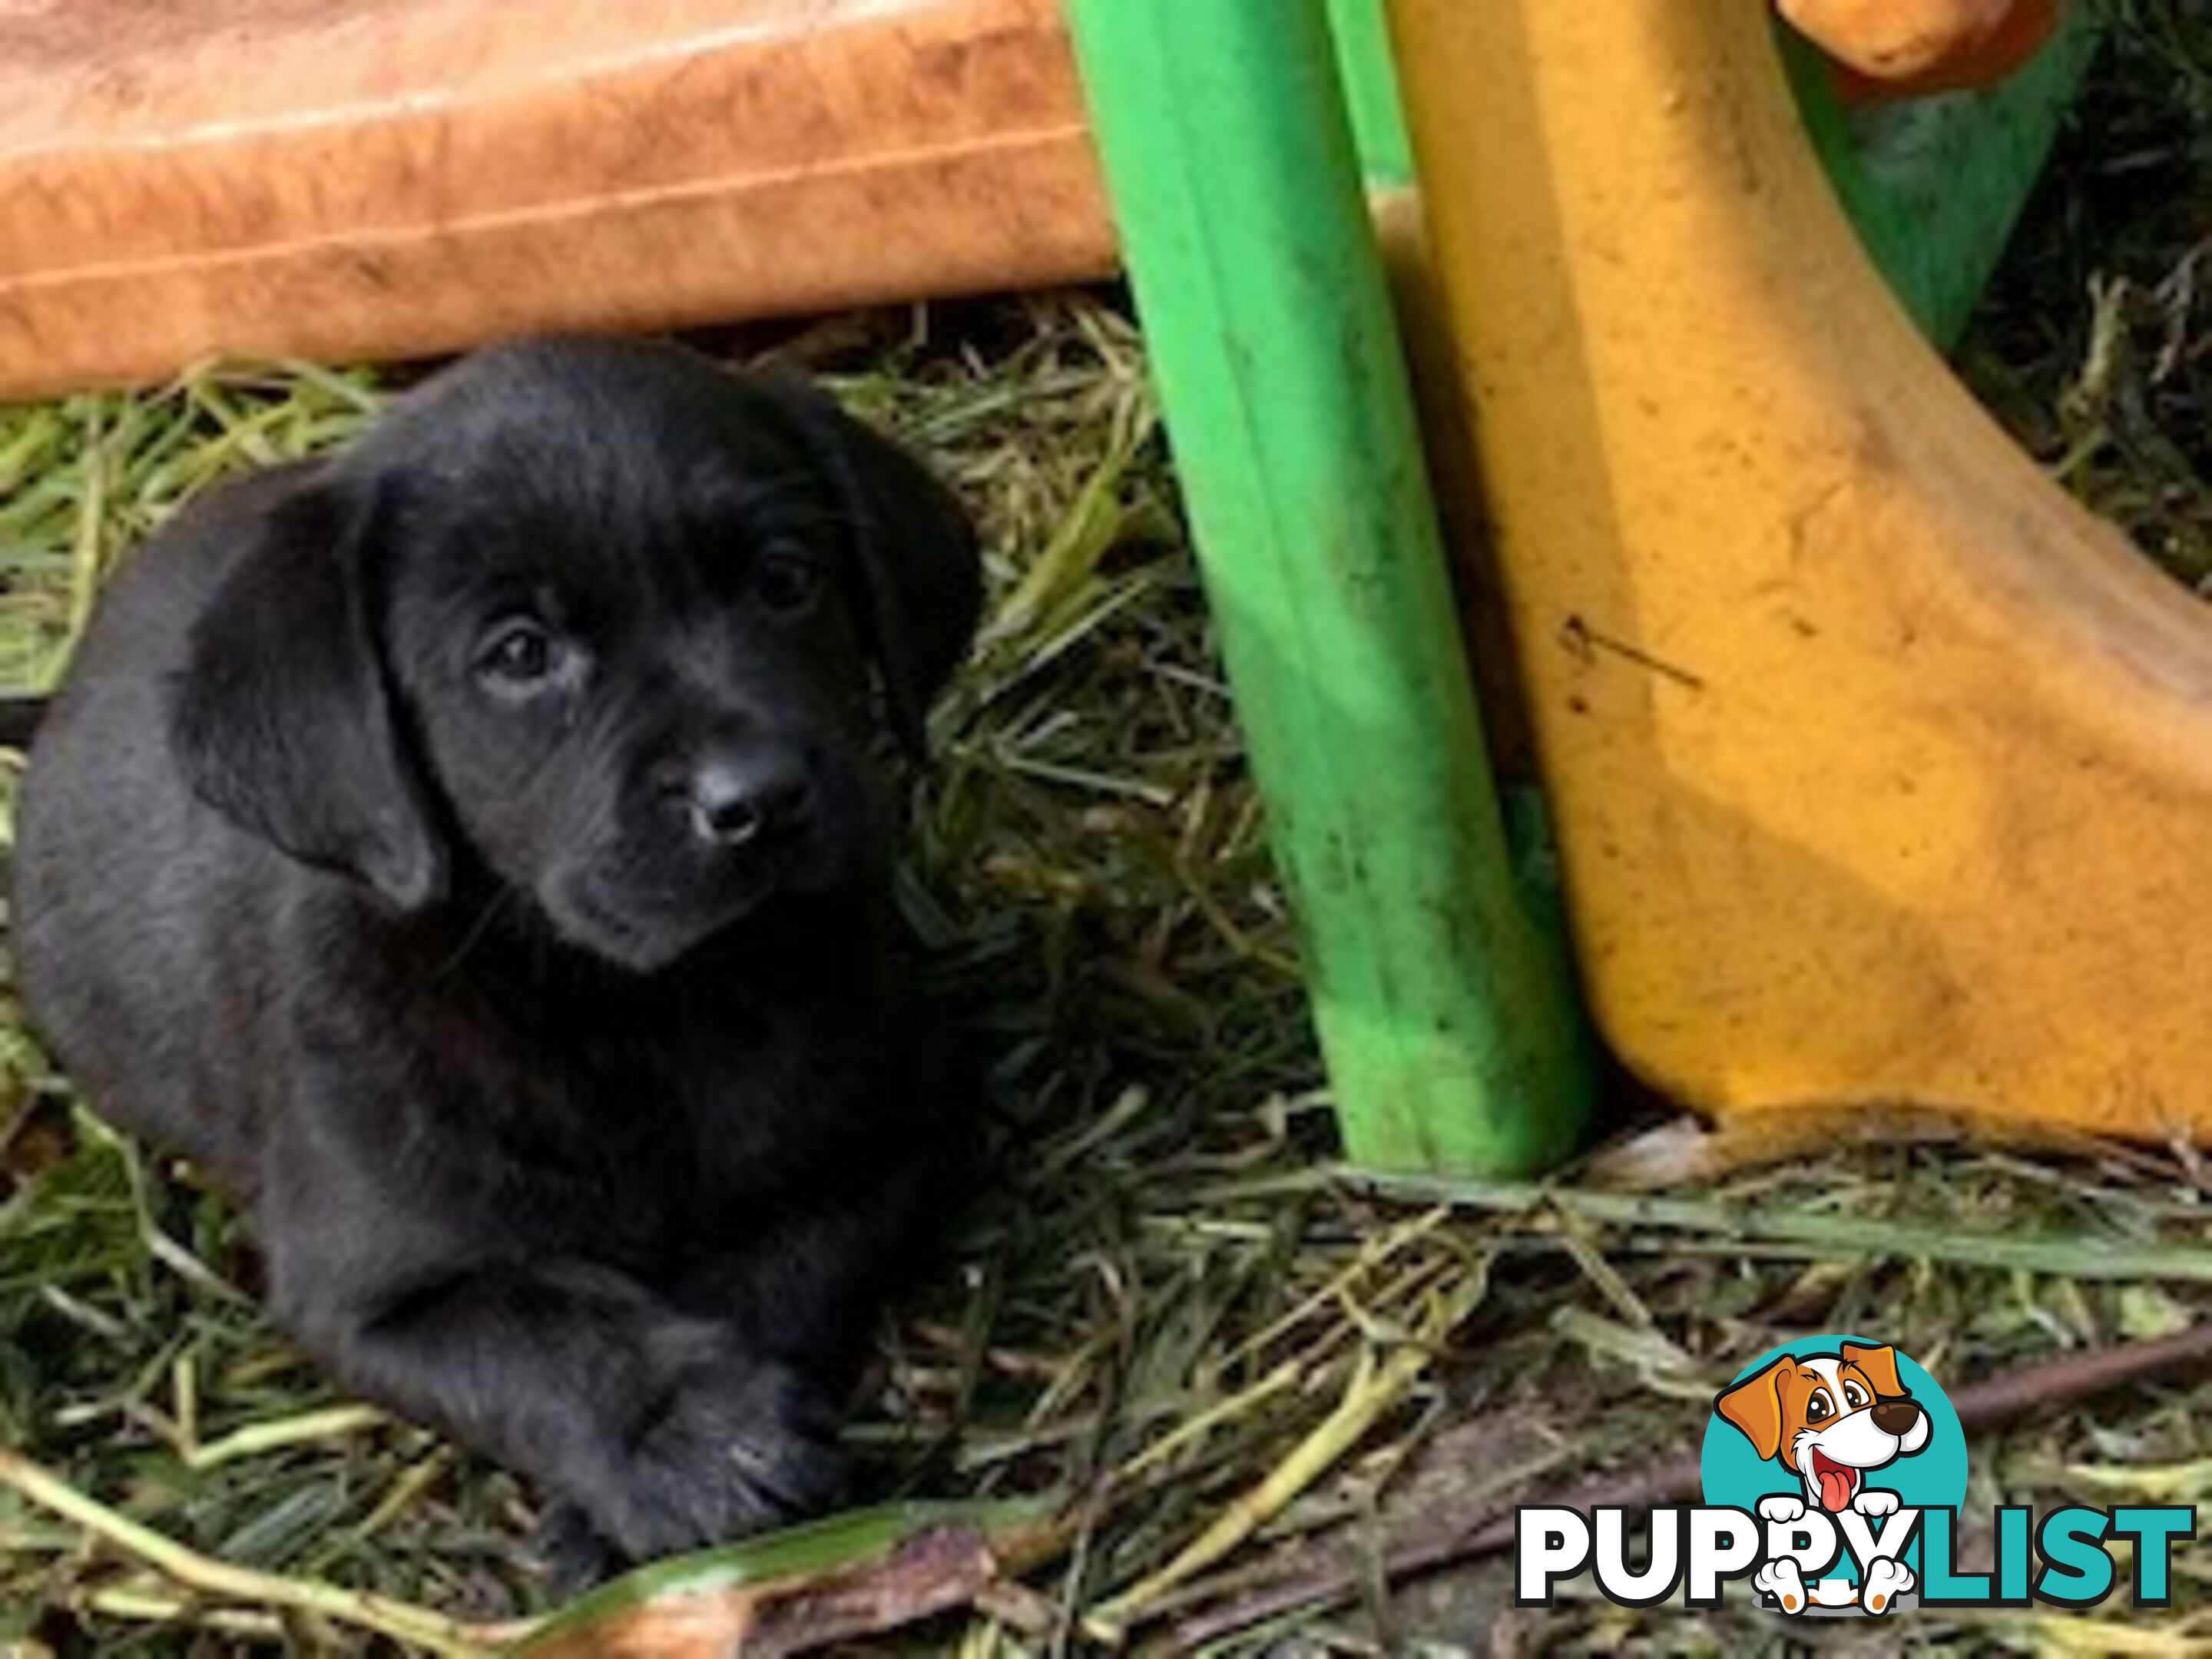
(473,850)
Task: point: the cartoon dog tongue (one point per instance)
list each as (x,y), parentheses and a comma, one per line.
(1836,1482)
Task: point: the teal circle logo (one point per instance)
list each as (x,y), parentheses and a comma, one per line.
(1828,1440)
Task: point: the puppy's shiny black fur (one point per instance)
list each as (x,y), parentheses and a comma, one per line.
(472,850)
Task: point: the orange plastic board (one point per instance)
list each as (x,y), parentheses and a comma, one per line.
(1891,47)
(1882,772)
(380,178)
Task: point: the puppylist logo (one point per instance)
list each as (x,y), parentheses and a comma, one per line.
(1833,1471)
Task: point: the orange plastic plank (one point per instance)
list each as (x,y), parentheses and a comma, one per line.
(349,180)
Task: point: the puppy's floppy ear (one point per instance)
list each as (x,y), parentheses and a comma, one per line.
(282,720)
(1754,1406)
(1878,1364)
(920,576)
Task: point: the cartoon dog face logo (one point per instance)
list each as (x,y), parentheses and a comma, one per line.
(1828,1418)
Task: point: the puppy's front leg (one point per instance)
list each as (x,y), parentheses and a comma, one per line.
(809,1287)
(661,1428)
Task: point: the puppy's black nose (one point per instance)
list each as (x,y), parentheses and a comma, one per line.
(1896,1416)
(737,797)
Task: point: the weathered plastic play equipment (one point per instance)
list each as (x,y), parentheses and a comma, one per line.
(1881,771)
(1883,47)
(1874,765)
(352,182)
(1442,998)
(273,178)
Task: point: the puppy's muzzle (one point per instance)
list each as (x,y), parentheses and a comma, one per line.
(1897,1415)
(736,796)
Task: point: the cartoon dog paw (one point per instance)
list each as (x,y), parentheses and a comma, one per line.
(1885,1582)
(1779,1578)
(1872,1503)
(1781,1507)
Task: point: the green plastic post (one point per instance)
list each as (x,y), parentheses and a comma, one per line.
(1370,91)
(1443,1000)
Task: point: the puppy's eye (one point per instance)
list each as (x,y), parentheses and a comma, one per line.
(1854,1396)
(1817,1410)
(518,655)
(787,579)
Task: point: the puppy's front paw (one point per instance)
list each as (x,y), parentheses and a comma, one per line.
(575,1557)
(1885,1582)
(1781,1507)
(1873,1502)
(733,1453)
(1781,1580)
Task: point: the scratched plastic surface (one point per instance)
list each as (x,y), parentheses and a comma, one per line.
(352,180)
